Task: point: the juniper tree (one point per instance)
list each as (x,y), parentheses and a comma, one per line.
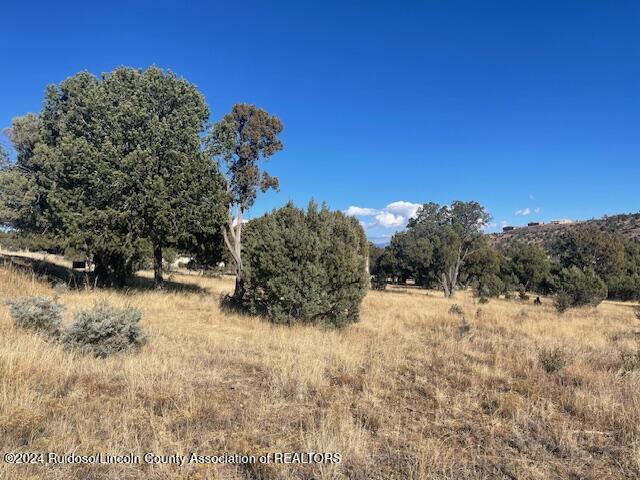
(240,141)
(306,266)
(482,271)
(407,256)
(529,264)
(118,166)
(614,258)
(20,205)
(171,187)
(578,288)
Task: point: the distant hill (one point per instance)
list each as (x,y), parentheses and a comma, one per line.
(544,235)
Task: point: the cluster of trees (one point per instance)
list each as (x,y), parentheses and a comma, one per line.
(443,247)
(124,168)
(436,247)
(614,258)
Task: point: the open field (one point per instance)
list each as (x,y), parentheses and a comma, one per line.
(406,393)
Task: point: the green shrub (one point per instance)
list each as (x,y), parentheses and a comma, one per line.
(104,330)
(14,241)
(483,300)
(625,288)
(579,288)
(456,309)
(307,267)
(37,313)
(489,285)
(562,302)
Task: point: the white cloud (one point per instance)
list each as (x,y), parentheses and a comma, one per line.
(537,210)
(389,220)
(360,211)
(524,212)
(405,209)
(394,215)
(504,223)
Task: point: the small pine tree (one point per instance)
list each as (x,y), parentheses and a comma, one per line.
(562,302)
(579,288)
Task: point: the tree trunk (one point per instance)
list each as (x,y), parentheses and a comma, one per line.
(445,285)
(235,248)
(238,293)
(158,280)
(367,268)
(120,272)
(100,270)
(449,279)
(449,282)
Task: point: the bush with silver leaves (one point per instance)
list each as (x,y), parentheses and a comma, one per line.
(105,330)
(42,314)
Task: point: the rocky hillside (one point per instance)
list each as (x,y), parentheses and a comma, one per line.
(545,235)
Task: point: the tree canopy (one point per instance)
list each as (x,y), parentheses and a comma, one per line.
(306,266)
(436,244)
(117,169)
(240,141)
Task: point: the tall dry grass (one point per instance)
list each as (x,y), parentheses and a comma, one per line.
(406,393)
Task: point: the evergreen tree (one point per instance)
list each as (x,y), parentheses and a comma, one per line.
(118,169)
(529,264)
(614,258)
(306,266)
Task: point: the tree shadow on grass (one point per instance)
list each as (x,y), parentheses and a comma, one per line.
(229,304)
(59,275)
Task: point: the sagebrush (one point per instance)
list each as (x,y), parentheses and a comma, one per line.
(43,314)
(552,360)
(105,330)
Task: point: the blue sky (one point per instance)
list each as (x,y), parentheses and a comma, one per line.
(529,106)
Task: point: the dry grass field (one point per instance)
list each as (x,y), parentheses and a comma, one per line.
(406,393)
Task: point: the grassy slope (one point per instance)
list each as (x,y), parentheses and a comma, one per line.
(399,395)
